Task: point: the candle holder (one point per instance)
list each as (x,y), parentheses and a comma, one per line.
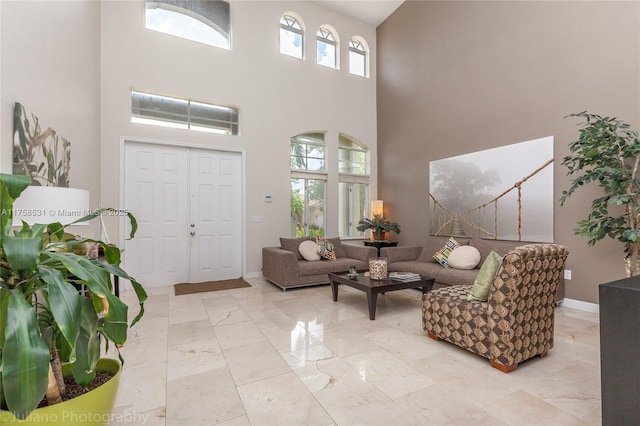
(353,273)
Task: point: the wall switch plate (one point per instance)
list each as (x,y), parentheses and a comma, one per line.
(256,219)
(567,274)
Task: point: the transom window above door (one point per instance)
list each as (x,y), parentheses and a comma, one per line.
(158,110)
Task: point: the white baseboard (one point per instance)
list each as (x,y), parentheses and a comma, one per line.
(580,305)
(253,275)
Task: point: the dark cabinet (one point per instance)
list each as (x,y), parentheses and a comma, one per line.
(620,351)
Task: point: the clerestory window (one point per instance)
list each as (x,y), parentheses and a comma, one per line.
(358,57)
(204,21)
(291,36)
(327,47)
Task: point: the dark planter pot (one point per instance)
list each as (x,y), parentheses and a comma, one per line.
(377,236)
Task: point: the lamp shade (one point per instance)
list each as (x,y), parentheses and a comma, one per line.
(48,204)
(377,207)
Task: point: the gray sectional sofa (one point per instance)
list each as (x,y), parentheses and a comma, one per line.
(285,267)
(419,260)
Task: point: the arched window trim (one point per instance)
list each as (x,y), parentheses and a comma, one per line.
(358,46)
(329,36)
(294,24)
(178,6)
(291,23)
(343,139)
(324,34)
(302,147)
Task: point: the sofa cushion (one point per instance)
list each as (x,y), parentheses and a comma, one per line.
(487,275)
(292,244)
(486,246)
(325,249)
(337,247)
(306,268)
(308,251)
(442,255)
(435,243)
(464,257)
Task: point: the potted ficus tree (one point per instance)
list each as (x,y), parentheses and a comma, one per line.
(607,152)
(44,316)
(378,225)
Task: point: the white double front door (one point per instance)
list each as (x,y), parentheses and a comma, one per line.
(188,204)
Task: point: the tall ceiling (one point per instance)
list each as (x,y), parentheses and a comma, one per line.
(372,12)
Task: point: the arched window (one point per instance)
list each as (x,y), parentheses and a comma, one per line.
(291,36)
(308,183)
(203,21)
(358,57)
(327,47)
(353,185)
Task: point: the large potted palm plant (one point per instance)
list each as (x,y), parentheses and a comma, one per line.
(44,317)
(607,152)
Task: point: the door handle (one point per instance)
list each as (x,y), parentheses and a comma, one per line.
(192,233)
(193,225)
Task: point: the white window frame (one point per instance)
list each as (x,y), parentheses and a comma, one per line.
(216,15)
(328,36)
(358,46)
(308,140)
(290,26)
(352,178)
(181,113)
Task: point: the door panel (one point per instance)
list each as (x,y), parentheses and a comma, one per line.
(189,210)
(156,193)
(216,215)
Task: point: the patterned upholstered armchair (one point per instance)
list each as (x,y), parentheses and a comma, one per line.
(516,322)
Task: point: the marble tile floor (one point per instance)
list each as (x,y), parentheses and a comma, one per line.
(261,356)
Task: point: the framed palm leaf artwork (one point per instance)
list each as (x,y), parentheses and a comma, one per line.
(39,152)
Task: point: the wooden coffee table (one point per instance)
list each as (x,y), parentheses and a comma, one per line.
(375,287)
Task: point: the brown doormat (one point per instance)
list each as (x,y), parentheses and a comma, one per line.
(189,288)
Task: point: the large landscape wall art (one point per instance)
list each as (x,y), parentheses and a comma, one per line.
(41,154)
(501,193)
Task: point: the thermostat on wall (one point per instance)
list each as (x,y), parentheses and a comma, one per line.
(268,198)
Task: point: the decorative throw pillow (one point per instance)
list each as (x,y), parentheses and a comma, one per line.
(464,257)
(308,250)
(325,249)
(486,276)
(442,254)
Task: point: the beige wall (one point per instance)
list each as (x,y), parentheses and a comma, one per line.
(73,64)
(457,77)
(278,96)
(49,58)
